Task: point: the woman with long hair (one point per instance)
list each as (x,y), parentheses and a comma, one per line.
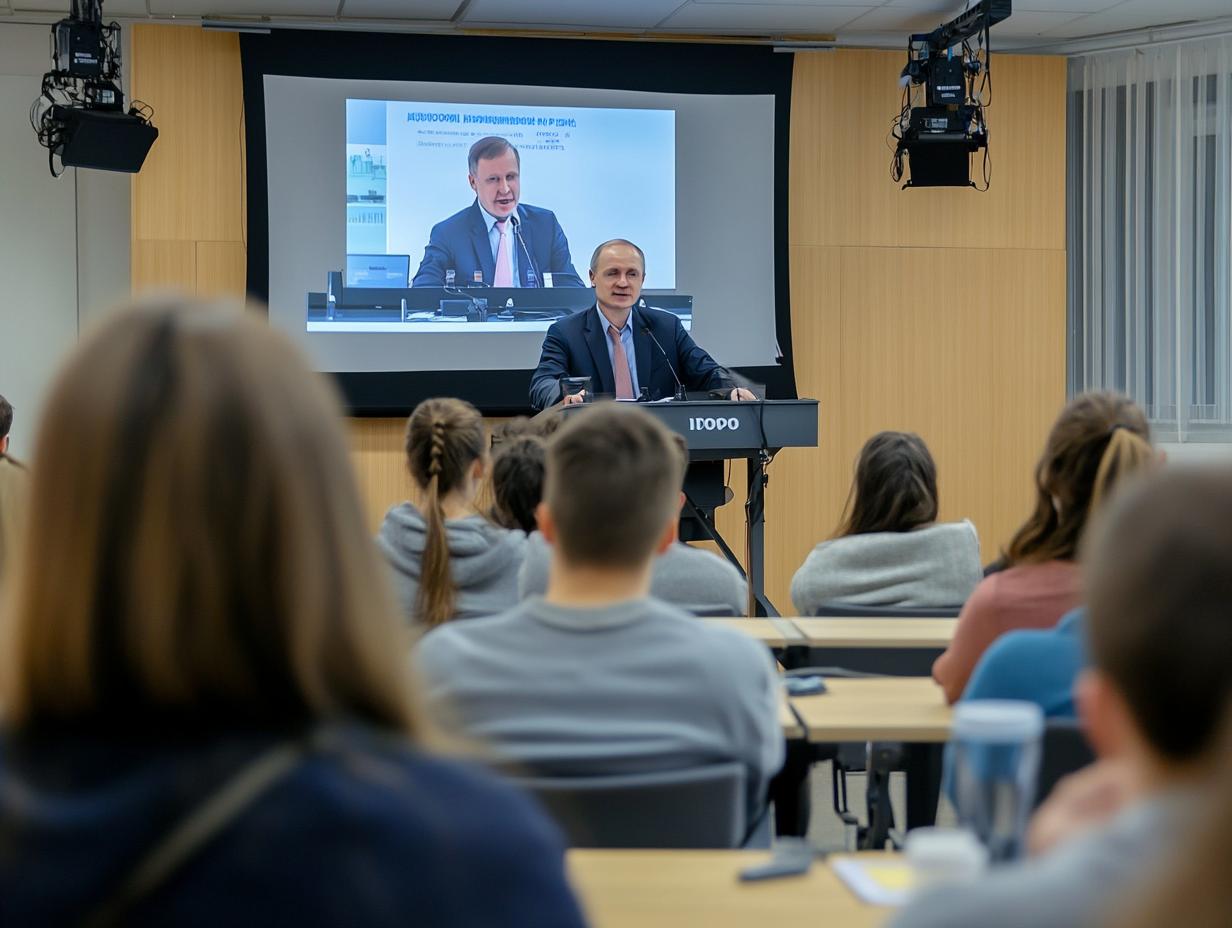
(449,561)
(1098,440)
(206,711)
(889,549)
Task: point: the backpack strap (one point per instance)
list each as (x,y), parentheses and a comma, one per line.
(196,829)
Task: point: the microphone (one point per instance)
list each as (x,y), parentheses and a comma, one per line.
(679,386)
(517,231)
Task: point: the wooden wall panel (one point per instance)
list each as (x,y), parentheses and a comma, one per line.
(221,269)
(163,265)
(852,95)
(190,186)
(380,465)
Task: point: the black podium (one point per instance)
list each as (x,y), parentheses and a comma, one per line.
(718,431)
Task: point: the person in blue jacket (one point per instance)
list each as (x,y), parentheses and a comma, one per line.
(1038,665)
(207,718)
(497,241)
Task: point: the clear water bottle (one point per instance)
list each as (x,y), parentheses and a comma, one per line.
(994,765)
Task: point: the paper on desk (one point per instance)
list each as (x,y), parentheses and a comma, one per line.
(881,881)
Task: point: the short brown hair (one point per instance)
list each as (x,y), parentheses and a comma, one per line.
(196,554)
(895,486)
(487,148)
(1098,439)
(444,438)
(613,479)
(1159,574)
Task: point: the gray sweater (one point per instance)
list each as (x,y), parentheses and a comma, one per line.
(632,687)
(688,577)
(483,559)
(934,566)
(1076,885)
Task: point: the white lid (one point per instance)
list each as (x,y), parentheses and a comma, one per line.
(997,721)
(946,848)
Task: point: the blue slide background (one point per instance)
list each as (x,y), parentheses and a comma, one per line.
(606,173)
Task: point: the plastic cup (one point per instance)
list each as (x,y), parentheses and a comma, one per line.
(994,765)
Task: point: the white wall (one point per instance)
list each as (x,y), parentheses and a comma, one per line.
(64,243)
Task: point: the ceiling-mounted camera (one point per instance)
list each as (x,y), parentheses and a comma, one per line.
(947,85)
(79,114)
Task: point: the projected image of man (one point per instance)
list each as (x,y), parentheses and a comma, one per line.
(629,350)
(497,240)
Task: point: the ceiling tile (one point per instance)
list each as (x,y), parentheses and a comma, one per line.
(626,14)
(896,19)
(111,8)
(1061,6)
(1026,24)
(440,10)
(222,8)
(759,18)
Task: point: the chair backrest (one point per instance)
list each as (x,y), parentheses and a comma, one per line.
(838,610)
(712,611)
(701,807)
(1065,750)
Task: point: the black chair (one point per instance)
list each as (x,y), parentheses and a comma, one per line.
(891,662)
(1065,750)
(838,610)
(712,611)
(701,807)
(877,760)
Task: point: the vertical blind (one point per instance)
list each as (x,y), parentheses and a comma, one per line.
(1150,232)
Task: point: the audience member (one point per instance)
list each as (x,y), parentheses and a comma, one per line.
(517,483)
(686,576)
(1036,665)
(1098,439)
(545,424)
(890,550)
(13,488)
(1193,889)
(449,561)
(596,677)
(508,430)
(1160,579)
(206,716)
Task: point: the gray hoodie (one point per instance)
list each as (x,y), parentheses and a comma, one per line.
(938,565)
(483,558)
(687,577)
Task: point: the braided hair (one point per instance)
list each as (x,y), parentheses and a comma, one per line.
(444,438)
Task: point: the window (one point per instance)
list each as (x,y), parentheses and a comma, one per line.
(1150,232)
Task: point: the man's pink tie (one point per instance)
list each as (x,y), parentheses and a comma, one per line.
(620,365)
(504,263)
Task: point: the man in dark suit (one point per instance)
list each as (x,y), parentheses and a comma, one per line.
(613,342)
(497,240)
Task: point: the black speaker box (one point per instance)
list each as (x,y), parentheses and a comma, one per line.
(107,141)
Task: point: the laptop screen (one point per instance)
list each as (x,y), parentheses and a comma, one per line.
(388,271)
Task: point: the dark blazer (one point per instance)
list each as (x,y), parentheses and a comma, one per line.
(461,242)
(577,347)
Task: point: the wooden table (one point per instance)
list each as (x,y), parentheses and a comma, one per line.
(911,710)
(678,889)
(773,632)
(793,728)
(876,709)
(876,632)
